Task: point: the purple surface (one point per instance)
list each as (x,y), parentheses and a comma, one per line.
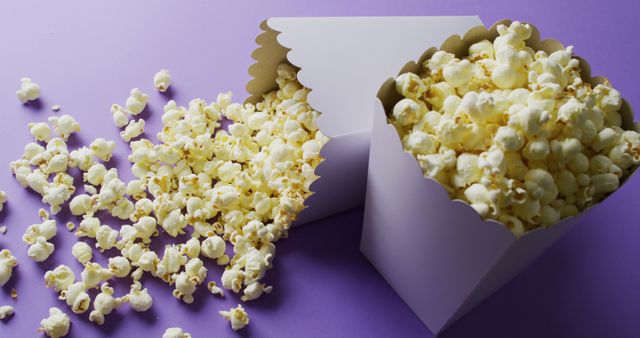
(87,56)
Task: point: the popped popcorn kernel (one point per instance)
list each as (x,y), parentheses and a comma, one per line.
(56,325)
(6,311)
(162,80)
(237,317)
(29,90)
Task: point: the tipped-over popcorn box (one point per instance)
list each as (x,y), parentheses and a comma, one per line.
(437,253)
(342,60)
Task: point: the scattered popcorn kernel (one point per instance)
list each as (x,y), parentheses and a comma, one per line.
(40,250)
(14,293)
(40,131)
(56,325)
(102,149)
(133,130)
(237,317)
(6,311)
(162,80)
(7,263)
(3,229)
(139,298)
(59,278)
(119,115)
(29,91)
(104,304)
(76,297)
(175,332)
(55,107)
(214,289)
(64,125)
(3,199)
(136,102)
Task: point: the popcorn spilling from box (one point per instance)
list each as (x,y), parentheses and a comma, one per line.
(242,186)
(515,132)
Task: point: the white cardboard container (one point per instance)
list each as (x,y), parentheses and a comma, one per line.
(437,253)
(343,60)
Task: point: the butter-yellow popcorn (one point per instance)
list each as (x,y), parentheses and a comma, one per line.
(514,132)
(76,297)
(82,252)
(7,263)
(237,317)
(56,325)
(29,90)
(59,278)
(136,102)
(104,304)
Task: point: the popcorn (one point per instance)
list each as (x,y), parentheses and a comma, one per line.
(136,102)
(119,266)
(60,278)
(81,158)
(40,131)
(244,185)
(29,90)
(133,130)
(6,311)
(82,252)
(162,80)
(7,263)
(102,149)
(104,304)
(119,115)
(175,332)
(237,316)
(106,237)
(254,291)
(40,250)
(3,199)
(139,298)
(56,325)
(64,125)
(514,132)
(76,297)
(93,274)
(214,289)
(81,205)
(213,247)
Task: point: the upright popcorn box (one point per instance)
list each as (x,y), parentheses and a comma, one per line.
(343,60)
(437,253)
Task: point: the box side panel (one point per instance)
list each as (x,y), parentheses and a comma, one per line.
(431,250)
(342,178)
(521,253)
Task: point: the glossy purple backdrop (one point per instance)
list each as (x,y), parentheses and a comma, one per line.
(87,56)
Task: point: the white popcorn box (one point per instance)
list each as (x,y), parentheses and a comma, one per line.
(437,253)
(343,61)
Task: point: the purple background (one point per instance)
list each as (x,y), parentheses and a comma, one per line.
(87,55)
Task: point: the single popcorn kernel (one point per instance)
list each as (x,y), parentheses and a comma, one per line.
(237,317)
(162,80)
(7,263)
(56,325)
(6,311)
(516,133)
(175,332)
(29,91)
(136,102)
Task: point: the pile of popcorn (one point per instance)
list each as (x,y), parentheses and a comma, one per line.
(516,133)
(242,186)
